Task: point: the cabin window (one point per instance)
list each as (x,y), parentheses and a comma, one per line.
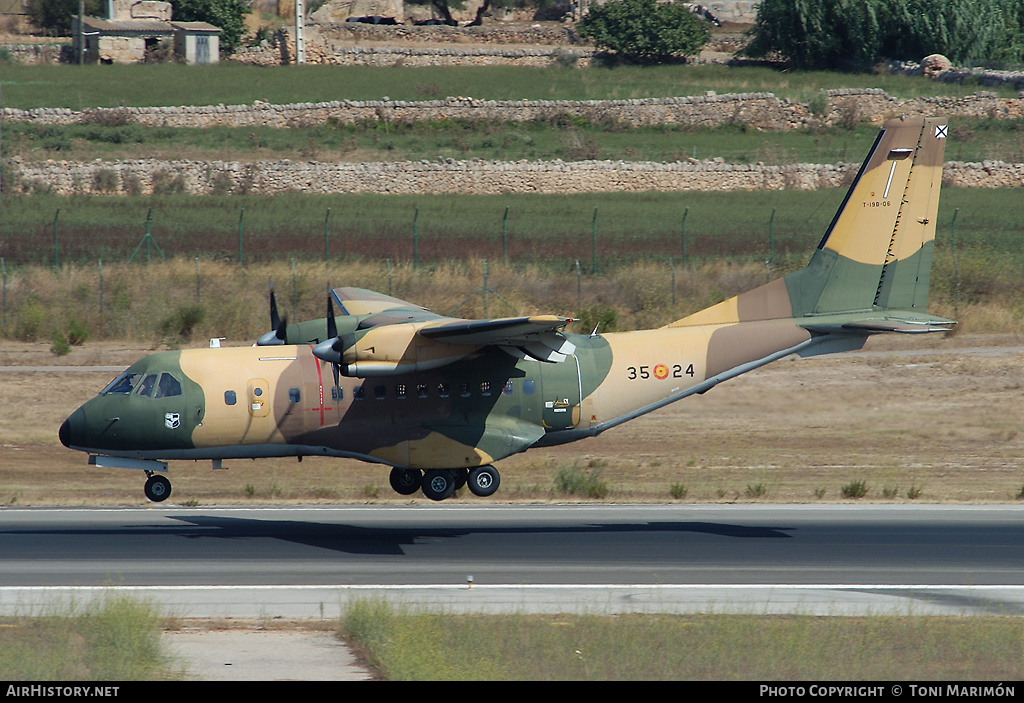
(507,390)
(485,388)
(123,384)
(464,389)
(421,390)
(528,387)
(380,392)
(358,393)
(230,398)
(294,395)
(443,390)
(337,393)
(400,391)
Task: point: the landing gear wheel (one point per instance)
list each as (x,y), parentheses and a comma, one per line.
(439,484)
(483,481)
(406,481)
(461,476)
(158,488)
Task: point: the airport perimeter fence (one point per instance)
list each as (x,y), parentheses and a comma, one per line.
(585,268)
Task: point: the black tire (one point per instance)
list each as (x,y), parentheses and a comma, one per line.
(406,481)
(158,488)
(461,476)
(438,484)
(484,481)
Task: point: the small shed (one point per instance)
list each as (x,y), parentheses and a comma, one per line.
(139,40)
(196,42)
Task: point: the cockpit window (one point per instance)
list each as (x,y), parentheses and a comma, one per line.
(168,386)
(123,384)
(146,387)
(153,385)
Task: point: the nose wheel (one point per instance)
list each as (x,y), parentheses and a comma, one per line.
(158,488)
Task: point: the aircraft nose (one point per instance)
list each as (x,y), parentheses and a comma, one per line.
(71,430)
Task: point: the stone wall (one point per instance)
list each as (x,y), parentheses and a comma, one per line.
(759,110)
(762,111)
(451,176)
(31,54)
(280,52)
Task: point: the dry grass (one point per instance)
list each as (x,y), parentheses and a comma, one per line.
(417,646)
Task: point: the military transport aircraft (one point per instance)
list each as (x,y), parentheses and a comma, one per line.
(441,399)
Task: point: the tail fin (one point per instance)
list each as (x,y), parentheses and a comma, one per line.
(876,255)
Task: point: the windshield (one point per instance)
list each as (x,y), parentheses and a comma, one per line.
(123,384)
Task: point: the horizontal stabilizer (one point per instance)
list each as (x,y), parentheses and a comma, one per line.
(922,325)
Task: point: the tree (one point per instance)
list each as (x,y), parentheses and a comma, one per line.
(54,16)
(226,14)
(857,34)
(644,31)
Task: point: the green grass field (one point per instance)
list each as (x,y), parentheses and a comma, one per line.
(569,140)
(79,87)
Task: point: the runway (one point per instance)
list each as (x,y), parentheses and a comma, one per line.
(307,562)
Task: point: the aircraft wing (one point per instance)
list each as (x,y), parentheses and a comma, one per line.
(538,336)
(392,336)
(359,301)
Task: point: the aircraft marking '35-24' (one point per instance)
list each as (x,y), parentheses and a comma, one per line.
(440,399)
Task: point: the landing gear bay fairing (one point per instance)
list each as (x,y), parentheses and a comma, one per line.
(441,399)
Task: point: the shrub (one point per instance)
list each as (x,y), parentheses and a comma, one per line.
(106,181)
(183,321)
(60,345)
(77,333)
(576,481)
(758,490)
(167,183)
(854,489)
(31,318)
(644,31)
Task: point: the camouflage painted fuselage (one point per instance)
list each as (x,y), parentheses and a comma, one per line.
(414,390)
(281,401)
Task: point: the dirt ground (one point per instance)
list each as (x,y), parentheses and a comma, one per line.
(933,420)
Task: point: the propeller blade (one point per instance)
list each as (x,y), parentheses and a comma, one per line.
(278,326)
(275,320)
(332,324)
(332,333)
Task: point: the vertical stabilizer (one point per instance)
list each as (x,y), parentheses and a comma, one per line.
(877,252)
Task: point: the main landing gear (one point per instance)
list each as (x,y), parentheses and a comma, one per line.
(439,484)
(158,488)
